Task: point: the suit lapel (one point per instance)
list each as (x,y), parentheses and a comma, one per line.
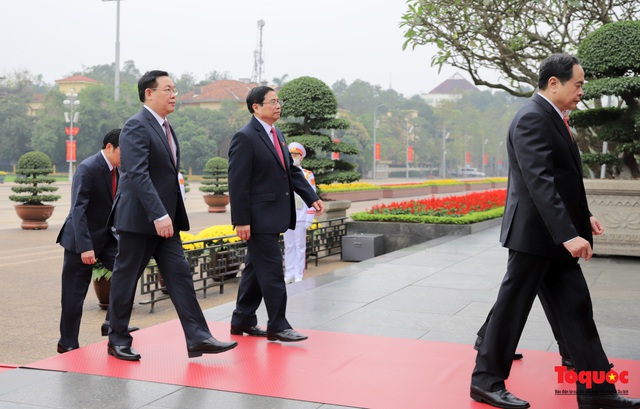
(159,130)
(561,128)
(106,174)
(266,139)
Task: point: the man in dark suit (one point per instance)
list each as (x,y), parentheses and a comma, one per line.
(148,215)
(85,236)
(262,182)
(547,228)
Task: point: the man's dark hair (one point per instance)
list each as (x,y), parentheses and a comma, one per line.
(256,96)
(149,80)
(112,137)
(556,65)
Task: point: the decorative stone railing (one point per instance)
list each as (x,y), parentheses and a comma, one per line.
(616,203)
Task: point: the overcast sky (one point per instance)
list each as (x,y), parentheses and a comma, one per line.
(330,39)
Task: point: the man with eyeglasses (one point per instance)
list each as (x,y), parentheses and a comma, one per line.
(148,214)
(262,182)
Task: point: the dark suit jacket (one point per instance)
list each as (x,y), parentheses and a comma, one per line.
(149,186)
(546,201)
(85,228)
(260,189)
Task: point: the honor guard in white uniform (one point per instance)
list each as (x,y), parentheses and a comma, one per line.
(295,241)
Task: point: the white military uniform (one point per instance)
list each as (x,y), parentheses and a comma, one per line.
(295,241)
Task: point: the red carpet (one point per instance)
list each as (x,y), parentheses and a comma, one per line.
(333,368)
(5,367)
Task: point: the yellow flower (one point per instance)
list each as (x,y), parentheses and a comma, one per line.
(187,237)
(219,231)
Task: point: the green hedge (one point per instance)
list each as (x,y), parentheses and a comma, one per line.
(466,219)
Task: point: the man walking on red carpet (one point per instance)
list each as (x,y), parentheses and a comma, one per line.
(547,228)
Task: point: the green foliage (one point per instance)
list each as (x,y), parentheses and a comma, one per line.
(100,271)
(468,218)
(612,50)
(610,57)
(600,87)
(310,107)
(511,36)
(16,125)
(32,170)
(599,158)
(215,177)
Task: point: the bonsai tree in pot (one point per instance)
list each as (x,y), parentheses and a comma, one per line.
(34,190)
(215,184)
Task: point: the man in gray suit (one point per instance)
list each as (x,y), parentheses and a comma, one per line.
(148,215)
(85,236)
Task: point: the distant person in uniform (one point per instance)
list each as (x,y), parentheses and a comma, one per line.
(295,240)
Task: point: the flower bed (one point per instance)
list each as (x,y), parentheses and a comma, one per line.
(354,195)
(408,223)
(470,208)
(361,191)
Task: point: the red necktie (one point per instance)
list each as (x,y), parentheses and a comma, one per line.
(113,183)
(170,139)
(565,118)
(276,142)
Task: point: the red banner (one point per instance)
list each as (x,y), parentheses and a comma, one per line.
(467,157)
(485,159)
(70,131)
(71,151)
(335,155)
(410,154)
(377,151)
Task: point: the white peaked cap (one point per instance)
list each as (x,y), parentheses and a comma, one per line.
(295,147)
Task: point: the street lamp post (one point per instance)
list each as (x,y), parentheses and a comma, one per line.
(116,81)
(375,126)
(445,135)
(409,130)
(71,117)
(483,143)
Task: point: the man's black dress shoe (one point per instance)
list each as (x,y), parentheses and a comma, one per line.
(210,346)
(254,331)
(287,335)
(567,362)
(607,402)
(500,399)
(105,329)
(516,356)
(63,348)
(124,352)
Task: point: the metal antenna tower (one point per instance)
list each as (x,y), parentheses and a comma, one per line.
(256,76)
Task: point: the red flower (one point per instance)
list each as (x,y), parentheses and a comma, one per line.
(446,206)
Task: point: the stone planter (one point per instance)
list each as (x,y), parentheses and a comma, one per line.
(354,196)
(616,203)
(34,217)
(334,209)
(408,192)
(400,235)
(448,188)
(478,186)
(217,203)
